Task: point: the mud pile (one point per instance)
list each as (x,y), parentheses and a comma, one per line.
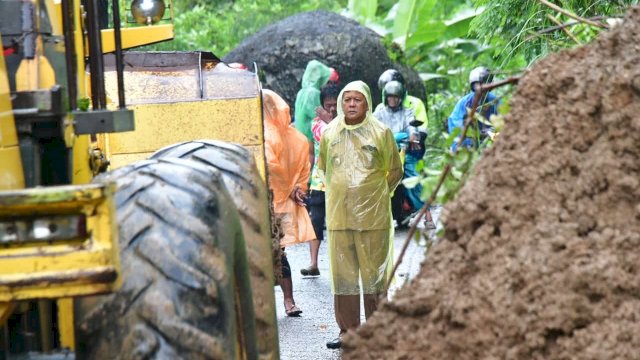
(541,254)
(283,49)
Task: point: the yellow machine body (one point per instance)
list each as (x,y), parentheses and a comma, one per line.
(137,36)
(182,96)
(176,96)
(11,175)
(61,268)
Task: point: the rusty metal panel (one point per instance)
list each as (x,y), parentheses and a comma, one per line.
(159,77)
(184,96)
(222,82)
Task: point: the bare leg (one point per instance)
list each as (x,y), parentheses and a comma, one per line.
(290,307)
(314,247)
(287,291)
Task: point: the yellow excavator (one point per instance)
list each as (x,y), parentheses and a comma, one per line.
(168,254)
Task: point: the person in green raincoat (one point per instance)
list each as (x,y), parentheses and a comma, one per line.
(361,167)
(308,98)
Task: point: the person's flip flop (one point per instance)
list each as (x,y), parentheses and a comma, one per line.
(293,311)
(310,272)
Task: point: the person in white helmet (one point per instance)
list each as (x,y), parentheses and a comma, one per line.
(402,122)
(487,106)
(408,101)
(417,110)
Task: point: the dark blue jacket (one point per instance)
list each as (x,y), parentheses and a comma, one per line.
(456,120)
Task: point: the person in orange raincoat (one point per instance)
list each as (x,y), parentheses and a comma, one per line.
(288,175)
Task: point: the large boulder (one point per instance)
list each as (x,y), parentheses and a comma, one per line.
(282,51)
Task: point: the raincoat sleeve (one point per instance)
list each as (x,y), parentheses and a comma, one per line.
(322,158)
(378,113)
(307,101)
(456,120)
(277,172)
(394,174)
(409,117)
(420,111)
(305,169)
(307,108)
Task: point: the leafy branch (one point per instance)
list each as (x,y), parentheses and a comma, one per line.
(449,166)
(571,15)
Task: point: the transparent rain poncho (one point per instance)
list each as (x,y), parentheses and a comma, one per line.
(361,168)
(286,151)
(315,76)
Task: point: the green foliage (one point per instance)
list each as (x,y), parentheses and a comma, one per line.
(405,10)
(84,103)
(219,26)
(394,51)
(441,39)
(511,26)
(430,36)
(444,40)
(363,10)
(461,165)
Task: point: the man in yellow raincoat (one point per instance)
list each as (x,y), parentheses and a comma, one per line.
(286,151)
(361,167)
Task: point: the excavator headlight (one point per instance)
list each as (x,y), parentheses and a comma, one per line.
(42,228)
(147,12)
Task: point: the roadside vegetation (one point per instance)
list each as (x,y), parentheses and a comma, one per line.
(442,40)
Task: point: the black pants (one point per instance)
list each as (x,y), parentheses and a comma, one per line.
(317,212)
(286,268)
(399,214)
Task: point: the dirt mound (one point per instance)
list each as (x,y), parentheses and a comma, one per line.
(541,254)
(282,51)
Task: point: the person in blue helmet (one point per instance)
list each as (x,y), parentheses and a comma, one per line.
(487,106)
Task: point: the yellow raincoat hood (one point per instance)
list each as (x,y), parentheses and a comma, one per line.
(361,87)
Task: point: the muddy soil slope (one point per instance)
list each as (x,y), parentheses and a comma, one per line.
(282,51)
(541,254)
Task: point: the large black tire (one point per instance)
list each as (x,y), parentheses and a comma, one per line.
(184,270)
(241,177)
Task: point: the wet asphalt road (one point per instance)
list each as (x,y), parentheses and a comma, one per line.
(305,337)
